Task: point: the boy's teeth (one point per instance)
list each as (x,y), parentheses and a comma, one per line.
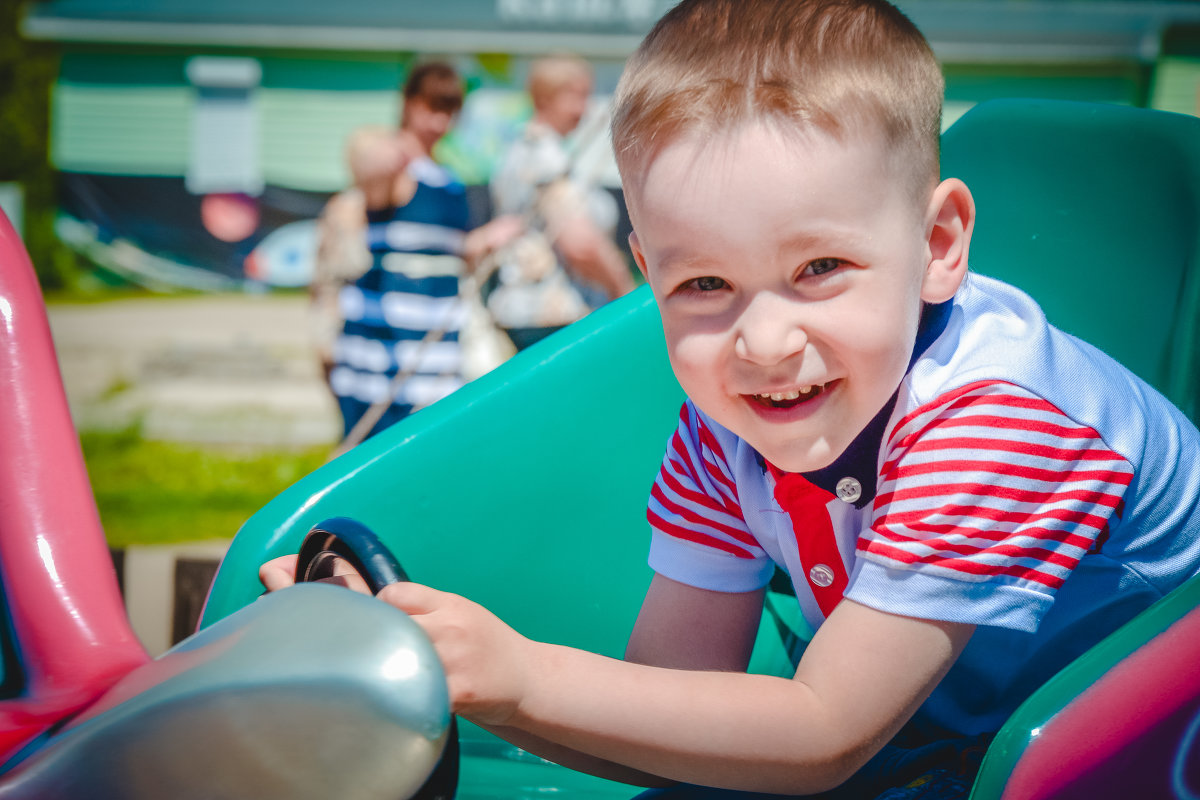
(780,397)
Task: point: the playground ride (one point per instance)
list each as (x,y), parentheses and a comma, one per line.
(257,705)
(525,491)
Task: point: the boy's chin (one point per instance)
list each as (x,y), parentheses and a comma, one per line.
(818,456)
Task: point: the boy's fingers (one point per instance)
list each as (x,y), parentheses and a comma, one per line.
(278,573)
(411,598)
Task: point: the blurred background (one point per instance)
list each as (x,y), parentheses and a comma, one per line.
(187,145)
(165,160)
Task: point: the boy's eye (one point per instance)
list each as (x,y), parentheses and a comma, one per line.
(706,284)
(820,266)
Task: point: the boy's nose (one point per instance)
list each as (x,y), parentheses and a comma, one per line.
(769,332)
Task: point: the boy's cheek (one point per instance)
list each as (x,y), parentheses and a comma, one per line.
(697,367)
(690,352)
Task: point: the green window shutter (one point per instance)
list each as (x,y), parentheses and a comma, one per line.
(304,132)
(1177,85)
(123,130)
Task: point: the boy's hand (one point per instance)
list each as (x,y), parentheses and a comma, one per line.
(487,663)
(280,573)
(484,659)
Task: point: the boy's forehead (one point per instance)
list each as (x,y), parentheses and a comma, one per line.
(706,154)
(702,155)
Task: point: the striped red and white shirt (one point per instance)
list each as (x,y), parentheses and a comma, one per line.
(1020,480)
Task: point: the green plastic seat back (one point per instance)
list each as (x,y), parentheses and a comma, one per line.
(524,491)
(1093,210)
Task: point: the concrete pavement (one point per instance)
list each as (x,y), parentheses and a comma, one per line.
(234,369)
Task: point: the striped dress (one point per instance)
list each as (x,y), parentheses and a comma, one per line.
(1019,480)
(404,315)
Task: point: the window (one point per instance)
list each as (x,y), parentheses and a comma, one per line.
(224,154)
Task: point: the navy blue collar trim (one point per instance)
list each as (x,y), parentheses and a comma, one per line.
(858,461)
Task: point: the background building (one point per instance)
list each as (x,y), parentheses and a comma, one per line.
(187,133)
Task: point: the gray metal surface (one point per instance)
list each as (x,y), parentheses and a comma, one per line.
(311,692)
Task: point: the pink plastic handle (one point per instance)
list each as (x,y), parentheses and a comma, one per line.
(73,638)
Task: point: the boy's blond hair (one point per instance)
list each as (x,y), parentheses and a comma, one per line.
(548,76)
(837,65)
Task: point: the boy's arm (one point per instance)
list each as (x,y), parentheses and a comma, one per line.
(679,627)
(862,677)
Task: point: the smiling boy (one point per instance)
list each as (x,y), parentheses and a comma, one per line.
(964,497)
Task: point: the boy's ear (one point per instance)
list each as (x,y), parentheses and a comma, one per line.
(950,221)
(639,259)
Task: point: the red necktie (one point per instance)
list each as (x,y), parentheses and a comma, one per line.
(816,542)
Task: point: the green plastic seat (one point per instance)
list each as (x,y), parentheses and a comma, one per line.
(1095,211)
(526,489)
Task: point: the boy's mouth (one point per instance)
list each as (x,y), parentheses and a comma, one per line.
(788,399)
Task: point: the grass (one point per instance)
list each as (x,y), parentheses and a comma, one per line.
(152,492)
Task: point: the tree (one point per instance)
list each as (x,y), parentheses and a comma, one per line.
(27,73)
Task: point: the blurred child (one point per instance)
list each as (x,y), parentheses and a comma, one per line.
(566,262)
(394,251)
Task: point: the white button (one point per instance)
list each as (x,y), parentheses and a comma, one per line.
(821,575)
(849,490)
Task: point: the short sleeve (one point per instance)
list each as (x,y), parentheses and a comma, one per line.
(988,499)
(700,536)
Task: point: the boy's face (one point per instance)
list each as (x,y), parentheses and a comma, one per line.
(790,275)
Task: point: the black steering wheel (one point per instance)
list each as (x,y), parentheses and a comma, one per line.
(353,542)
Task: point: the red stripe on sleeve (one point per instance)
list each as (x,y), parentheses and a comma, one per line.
(958,398)
(995,515)
(959,466)
(1015,494)
(698,519)
(989,504)
(695,536)
(963,565)
(714,470)
(979,443)
(697,496)
(1056,535)
(963,549)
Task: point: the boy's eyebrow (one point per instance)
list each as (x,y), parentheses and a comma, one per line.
(676,261)
(812,243)
(817,240)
